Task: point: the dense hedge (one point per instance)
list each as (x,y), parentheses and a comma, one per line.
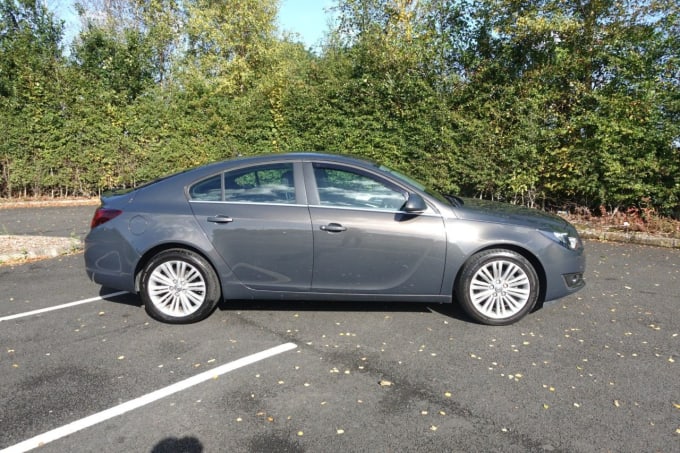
(552,103)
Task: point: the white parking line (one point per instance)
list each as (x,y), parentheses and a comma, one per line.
(115,411)
(59,307)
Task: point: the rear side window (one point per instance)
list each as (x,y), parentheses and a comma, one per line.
(207,190)
(273,183)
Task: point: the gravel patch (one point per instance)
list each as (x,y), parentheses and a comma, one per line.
(16,249)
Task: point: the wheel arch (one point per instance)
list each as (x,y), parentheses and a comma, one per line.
(533,260)
(149,254)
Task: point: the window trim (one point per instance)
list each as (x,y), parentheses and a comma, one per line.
(313,189)
(298,184)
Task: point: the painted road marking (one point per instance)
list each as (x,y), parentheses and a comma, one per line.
(59,307)
(121,409)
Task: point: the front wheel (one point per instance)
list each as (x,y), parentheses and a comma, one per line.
(179,286)
(497,287)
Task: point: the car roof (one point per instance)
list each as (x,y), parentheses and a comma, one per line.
(279,157)
(304,156)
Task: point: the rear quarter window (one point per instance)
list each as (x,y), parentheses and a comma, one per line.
(207,190)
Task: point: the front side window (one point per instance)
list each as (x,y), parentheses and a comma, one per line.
(273,183)
(347,188)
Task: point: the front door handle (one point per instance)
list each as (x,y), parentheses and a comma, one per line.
(333,228)
(220,219)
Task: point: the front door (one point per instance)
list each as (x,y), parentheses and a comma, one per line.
(364,243)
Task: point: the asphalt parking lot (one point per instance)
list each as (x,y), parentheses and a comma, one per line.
(594,372)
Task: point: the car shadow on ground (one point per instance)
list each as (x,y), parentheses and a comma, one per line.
(114,295)
(448,310)
(451,310)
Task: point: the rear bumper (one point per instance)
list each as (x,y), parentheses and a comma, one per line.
(109,263)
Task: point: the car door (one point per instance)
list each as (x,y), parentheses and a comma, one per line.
(363,242)
(257,219)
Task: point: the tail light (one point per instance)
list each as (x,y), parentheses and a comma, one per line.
(103,215)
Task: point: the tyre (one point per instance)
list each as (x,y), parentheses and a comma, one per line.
(179,286)
(497,287)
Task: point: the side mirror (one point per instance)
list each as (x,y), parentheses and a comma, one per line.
(415,204)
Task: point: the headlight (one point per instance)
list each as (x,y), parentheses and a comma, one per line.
(564,239)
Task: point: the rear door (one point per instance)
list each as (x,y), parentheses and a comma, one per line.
(257,219)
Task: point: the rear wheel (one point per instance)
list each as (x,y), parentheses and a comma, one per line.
(498,287)
(179,286)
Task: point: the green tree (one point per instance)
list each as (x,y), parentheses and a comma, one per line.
(227,42)
(30,87)
(586,66)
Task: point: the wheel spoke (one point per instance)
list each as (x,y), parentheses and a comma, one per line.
(164,298)
(489,306)
(168,270)
(160,278)
(184,304)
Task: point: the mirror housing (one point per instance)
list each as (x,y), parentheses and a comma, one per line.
(415,204)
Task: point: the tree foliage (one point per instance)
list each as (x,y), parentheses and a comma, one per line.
(544,102)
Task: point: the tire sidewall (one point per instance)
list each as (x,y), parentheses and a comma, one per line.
(480,260)
(212,296)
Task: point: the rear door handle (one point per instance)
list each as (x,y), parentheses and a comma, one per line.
(220,219)
(333,228)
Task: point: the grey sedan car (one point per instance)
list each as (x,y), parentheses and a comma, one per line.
(325,228)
